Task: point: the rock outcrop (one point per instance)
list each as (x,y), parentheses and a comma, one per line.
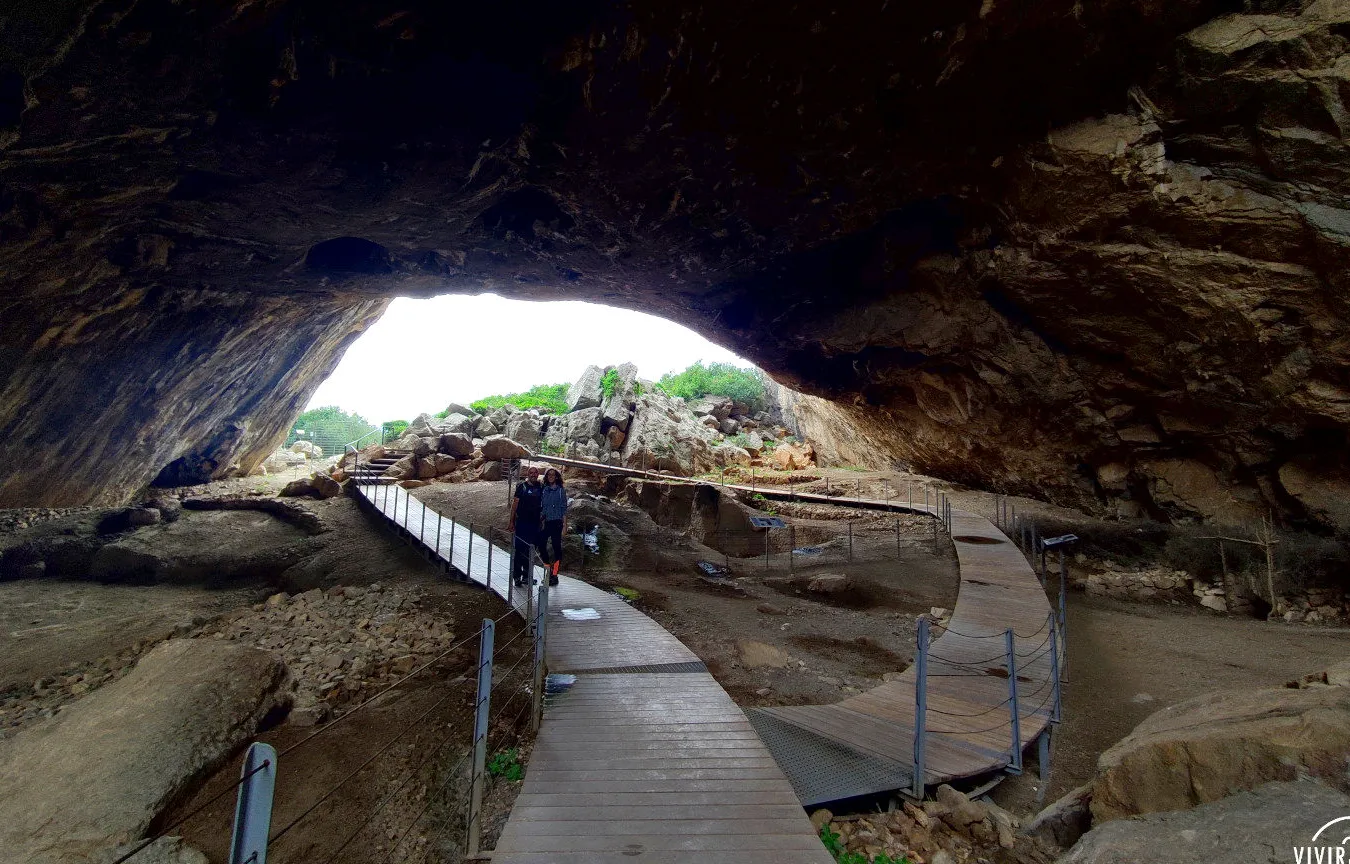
(1265,824)
(1202,749)
(1090,251)
(98,774)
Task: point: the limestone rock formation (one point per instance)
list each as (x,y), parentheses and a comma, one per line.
(1204,748)
(1091,251)
(585,392)
(96,775)
(1236,830)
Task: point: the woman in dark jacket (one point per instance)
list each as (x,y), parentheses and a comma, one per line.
(554,505)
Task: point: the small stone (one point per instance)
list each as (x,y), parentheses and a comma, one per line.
(820,818)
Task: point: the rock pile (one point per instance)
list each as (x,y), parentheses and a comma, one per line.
(342,644)
(947,830)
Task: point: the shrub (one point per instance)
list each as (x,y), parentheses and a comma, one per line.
(394,429)
(551,397)
(609,383)
(716,379)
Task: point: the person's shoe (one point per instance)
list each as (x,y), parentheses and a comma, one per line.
(552,580)
(556,565)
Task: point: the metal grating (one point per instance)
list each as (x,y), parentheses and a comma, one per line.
(694,666)
(821,770)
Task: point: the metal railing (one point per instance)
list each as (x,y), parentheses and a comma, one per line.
(1012,662)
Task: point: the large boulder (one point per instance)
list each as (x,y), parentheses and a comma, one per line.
(485,428)
(422,426)
(501,447)
(617,407)
(1205,748)
(98,774)
(464,423)
(729,455)
(402,469)
(1265,824)
(523,428)
(586,392)
(790,457)
(214,548)
(304,448)
(456,408)
(575,428)
(455,444)
(664,436)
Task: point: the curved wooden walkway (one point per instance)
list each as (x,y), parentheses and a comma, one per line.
(647,756)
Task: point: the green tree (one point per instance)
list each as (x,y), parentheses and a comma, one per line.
(716,379)
(330,427)
(552,397)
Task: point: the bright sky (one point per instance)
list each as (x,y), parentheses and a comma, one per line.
(424,354)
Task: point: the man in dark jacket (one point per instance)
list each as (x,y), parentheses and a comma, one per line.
(526,524)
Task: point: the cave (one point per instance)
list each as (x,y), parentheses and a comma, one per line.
(1094,253)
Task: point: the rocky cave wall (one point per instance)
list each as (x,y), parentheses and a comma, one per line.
(1094,252)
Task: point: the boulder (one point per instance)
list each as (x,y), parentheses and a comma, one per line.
(499,417)
(588,450)
(728,455)
(425,468)
(586,392)
(492,472)
(1265,824)
(456,408)
(138,517)
(617,408)
(408,443)
(99,773)
(665,437)
(303,447)
(302,488)
(501,447)
(414,484)
(1202,749)
(523,428)
(754,444)
(575,428)
(421,426)
(401,469)
(1063,822)
(165,850)
(615,436)
(789,457)
(464,423)
(170,509)
(727,426)
(829,583)
(485,428)
(710,421)
(325,486)
(455,444)
(444,463)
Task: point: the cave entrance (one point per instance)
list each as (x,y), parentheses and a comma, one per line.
(424,354)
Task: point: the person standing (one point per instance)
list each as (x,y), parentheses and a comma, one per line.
(554,508)
(526,523)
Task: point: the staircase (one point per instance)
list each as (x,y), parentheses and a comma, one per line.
(372,472)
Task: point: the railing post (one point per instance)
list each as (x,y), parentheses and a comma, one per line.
(439,519)
(480,733)
(767,532)
(1063,605)
(511,571)
(920,706)
(850,541)
(1015,760)
(897,537)
(792,544)
(468,564)
(489,561)
(253,806)
(422,530)
(1056,713)
(540,635)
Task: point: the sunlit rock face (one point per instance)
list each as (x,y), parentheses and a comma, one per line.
(1090,251)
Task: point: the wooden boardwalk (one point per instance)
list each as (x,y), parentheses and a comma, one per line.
(646,755)
(634,760)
